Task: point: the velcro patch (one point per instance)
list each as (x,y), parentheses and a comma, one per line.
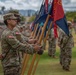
(17,33)
(10,36)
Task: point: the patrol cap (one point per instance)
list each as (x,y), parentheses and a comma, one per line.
(16,15)
(69,23)
(9,16)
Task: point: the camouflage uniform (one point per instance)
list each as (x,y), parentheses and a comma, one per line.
(19,38)
(52,44)
(66,44)
(10,47)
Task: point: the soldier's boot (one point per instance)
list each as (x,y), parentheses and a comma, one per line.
(54,56)
(66,68)
(60,63)
(49,55)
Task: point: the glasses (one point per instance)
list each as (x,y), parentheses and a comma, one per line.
(12,19)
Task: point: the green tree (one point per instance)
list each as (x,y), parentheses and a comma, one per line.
(23,18)
(71,15)
(14,11)
(31,18)
(2,9)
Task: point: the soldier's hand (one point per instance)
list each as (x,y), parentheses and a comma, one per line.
(30,37)
(40,52)
(32,41)
(37,47)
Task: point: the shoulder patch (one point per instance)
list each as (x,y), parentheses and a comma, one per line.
(17,33)
(10,36)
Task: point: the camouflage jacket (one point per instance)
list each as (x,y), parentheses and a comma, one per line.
(51,35)
(65,41)
(10,45)
(19,35)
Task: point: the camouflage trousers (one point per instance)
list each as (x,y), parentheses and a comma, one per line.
(52,48)
(12,71)
(65,57)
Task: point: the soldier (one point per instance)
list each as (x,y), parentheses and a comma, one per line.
(19,32)
(74,25)
(11,45)
(52,44)
(22,28)
(66,44)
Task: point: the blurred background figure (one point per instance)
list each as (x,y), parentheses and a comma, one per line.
(74,25)
(66,43)
(52,44)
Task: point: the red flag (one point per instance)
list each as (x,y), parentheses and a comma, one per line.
(58,17)
(58,10)
(55,31)
(57,14)
(46,5)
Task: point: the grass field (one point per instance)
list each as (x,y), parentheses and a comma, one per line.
(50,66)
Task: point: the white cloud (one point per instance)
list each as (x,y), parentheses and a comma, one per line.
(21,4)
(1,4)
(73,0)
(17,1)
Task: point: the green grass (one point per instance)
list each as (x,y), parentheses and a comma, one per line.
(50,66)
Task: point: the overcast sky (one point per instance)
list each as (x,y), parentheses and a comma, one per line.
(22,4)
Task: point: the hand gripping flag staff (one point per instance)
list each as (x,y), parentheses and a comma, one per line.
(26,60)
(27,56)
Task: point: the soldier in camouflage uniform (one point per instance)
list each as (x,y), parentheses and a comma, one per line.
(20,32)
(52,44)
(11,45)
(18,35)
(74,25)
(66,44)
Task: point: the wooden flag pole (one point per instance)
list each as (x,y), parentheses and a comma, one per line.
(25,62)
(35,31)
(39,55)
(39,42)
(38,33)
(27,56)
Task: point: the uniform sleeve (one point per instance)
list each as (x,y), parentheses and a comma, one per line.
(11,40)
(25,38)
(17,32)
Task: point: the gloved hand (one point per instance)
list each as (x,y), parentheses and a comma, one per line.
(32,41)
(40,52)
(37,47)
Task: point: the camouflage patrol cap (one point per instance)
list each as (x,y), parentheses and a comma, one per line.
(9,16)
(69,23)
(16,15)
